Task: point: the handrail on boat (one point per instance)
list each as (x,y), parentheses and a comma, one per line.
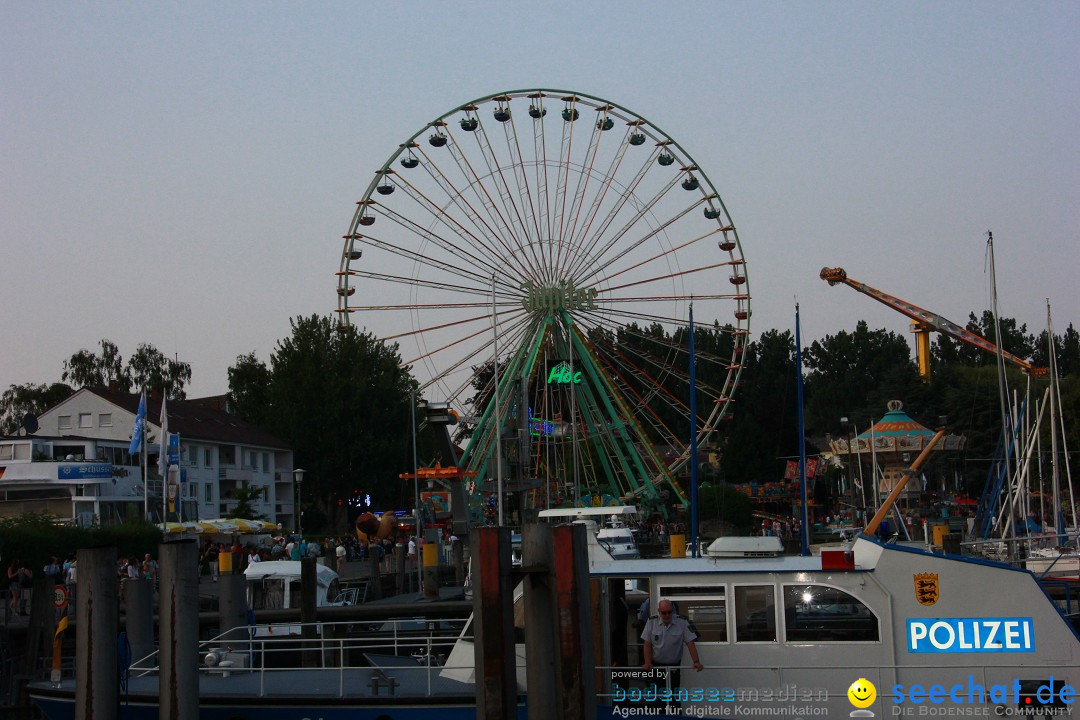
(331,650)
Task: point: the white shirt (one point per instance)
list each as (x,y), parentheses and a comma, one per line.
(668,640)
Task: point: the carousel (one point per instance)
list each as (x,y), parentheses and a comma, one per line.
(890,445)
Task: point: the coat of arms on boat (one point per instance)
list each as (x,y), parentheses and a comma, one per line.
(926,588)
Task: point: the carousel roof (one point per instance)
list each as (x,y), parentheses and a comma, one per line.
(896,423)
(895,432)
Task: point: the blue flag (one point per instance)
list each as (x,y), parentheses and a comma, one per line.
(136,434)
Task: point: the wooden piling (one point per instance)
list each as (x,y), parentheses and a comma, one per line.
(139,616)
(232,601)
(374,578)
(399,568)
(493,624)
(537,562)
(575,664)
(97,615)
(179,633)
(457,551)
(309,588)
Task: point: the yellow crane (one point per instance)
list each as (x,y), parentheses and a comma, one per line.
(923,322)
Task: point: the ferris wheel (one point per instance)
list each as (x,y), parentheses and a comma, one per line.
(567,238)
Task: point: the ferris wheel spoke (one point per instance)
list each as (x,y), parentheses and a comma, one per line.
(528,202)
(582,184)
(627,197)
(562,181)
(472,336)
(612,252)
(666,253)
(423,259)
(465,238)
(440,215)
(679,274)
(608,182)
(510,239)
(457,199)
(675,358)
(643,209)
(619,373)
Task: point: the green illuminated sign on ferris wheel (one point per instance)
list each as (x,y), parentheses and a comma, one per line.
(562,375)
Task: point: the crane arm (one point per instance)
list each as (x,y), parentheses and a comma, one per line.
(927,319)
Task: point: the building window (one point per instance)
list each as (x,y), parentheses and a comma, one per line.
(209,497)
(206,458)
(65,422)
(266,462)
(104,419)
(227,455)
(86,420)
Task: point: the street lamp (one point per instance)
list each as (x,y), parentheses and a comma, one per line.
(849,430)
(298,477)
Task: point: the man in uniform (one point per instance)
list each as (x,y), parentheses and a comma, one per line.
(665,635)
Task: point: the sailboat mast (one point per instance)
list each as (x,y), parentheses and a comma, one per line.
(1003,386)
(1055,476)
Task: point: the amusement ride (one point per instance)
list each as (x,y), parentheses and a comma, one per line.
(537,256)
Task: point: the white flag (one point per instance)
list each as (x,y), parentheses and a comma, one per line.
(163,456)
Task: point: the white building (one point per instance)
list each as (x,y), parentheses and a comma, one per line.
(77,464)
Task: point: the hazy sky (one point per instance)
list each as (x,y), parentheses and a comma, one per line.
(182,173)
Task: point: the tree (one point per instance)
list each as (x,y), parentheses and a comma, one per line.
(245,495)
(147,369)
(856,374)
(765,421)
(18,400)
(1067,351)
(86,369)
(340,398)
(249,389)
(725,503)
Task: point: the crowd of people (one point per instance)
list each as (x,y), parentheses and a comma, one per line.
(20,579)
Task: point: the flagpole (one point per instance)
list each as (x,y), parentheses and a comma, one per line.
(145,487)
(805,534)
(163,459)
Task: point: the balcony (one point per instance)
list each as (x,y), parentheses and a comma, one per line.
(236,475)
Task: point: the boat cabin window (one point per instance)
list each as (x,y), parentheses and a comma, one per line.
(704,606)
(818,613)
(755,613)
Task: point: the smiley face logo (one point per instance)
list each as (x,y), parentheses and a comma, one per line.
(862,693)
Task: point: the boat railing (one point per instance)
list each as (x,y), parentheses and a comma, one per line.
(415,645)
(1018,550)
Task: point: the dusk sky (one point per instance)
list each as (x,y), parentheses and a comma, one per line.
(182,173)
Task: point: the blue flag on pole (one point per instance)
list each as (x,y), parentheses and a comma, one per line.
(137,433)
